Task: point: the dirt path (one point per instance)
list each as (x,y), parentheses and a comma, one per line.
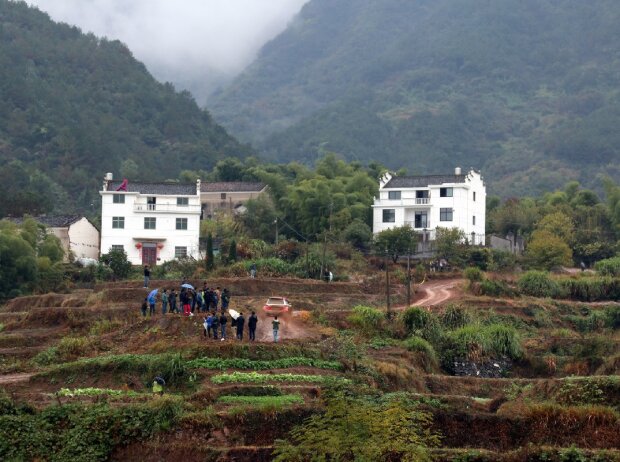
(15,378)
(437,292)
(291,327)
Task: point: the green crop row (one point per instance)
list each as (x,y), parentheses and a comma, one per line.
(262,400)
(94,392)
(255,377)
(242,363)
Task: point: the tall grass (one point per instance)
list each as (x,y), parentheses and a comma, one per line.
(538,284)
(477,342)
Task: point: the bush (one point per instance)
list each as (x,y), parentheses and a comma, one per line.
(538,284)
(368,320)
(608,267)
(502,261)
(117,261)
(422,323)
(612,313)
(591,289)
(473,274)
(419,345)
(478,342)
(455,317)
(495,288)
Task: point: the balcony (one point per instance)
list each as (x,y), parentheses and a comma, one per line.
(422,200)
(425,225)
(143,207)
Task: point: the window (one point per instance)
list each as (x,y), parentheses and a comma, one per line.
(445,192)
(389,216)
(223,196)
(394,195)
(118,198)
(120,248)
(118,222)
(474,220)
(181,223)
(421,220)
(445,214)
(474,197)
(182,201)
(180,252)
(149,222)
(151,203)
(421,194)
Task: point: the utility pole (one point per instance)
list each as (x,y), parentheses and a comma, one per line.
(408,278)
(387,284)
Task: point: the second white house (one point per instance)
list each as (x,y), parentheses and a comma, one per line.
(427,202)
(151,222)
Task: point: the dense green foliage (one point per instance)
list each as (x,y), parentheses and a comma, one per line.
(255,377)
(526,91)
(243,363)
(31,259)
(73,106)
(79,433)
(608,267)
(538,284)
(359,429)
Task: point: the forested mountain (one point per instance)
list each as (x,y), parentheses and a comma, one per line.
(526,90)
(73,106)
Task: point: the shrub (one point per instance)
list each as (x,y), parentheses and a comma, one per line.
(473,274)
(502,261)
(367,319)
(591,289)
(478,342)
(117,261)
(455,317)
(419,345)
(608,267)
(418,321)
(612,314)
(538,284)
(503,340)
(496,288)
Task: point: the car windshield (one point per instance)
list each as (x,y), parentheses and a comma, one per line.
(276,301)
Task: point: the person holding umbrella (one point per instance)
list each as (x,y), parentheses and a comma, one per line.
(152,297)
(185,300)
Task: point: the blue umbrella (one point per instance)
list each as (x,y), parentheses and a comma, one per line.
(187,286)
(153,294)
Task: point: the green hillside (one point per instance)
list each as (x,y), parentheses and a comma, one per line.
(528,91)
(74,106)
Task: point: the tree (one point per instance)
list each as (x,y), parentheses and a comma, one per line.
(559,224)
(546,251)
(117,261)
(362,430)
(396,241)
(51,248)
(232,252)
(210,263)
(449,244)
(358,234)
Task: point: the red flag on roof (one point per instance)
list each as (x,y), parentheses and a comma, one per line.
(123,186)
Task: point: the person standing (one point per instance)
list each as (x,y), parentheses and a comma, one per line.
(172,298)
(225,299)
(223,322)
(143,308)
(215,324)
(184,299)
(147,276)
(152,300)
(240,323)
(209,324)
(252,321)
(275,324)
(164,301)
(253,270)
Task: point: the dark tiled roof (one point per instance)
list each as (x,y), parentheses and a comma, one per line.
(232,186)
(423,181)
(58,221)
(168,189)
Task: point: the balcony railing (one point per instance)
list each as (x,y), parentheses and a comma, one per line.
(165,208)
(422,200)
(421,226)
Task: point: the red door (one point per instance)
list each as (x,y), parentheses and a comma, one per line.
(149,254)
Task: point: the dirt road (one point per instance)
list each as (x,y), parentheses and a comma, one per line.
(291,327)
(437,292)
(15,378)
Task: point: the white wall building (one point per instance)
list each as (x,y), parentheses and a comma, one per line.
(428,202)
(151,222)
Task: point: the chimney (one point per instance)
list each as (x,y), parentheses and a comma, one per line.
(198,187)
(457,171)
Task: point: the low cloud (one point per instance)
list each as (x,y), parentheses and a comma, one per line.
(196,44)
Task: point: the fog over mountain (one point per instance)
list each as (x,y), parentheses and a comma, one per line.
(198,45)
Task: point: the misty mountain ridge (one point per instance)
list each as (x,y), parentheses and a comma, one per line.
(527,91)
(73,106)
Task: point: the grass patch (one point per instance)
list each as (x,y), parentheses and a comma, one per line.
(249,364)
(255,377)
(282,400)
(94,392)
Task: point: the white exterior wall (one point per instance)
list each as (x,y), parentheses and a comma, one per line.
(84,239)
(165,235)
(462,203)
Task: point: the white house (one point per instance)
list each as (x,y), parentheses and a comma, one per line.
(151,222)
(77,235)
(431,201)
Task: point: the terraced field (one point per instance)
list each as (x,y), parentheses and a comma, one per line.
(92,352)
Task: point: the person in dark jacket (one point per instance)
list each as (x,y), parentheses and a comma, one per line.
(172,298)
(144,307)
(215,325)
(223,321)
(147,276)
(252,321)
(240,322)
(225,299)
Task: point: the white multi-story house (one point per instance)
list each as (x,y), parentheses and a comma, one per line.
(431,201)
(151,222)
